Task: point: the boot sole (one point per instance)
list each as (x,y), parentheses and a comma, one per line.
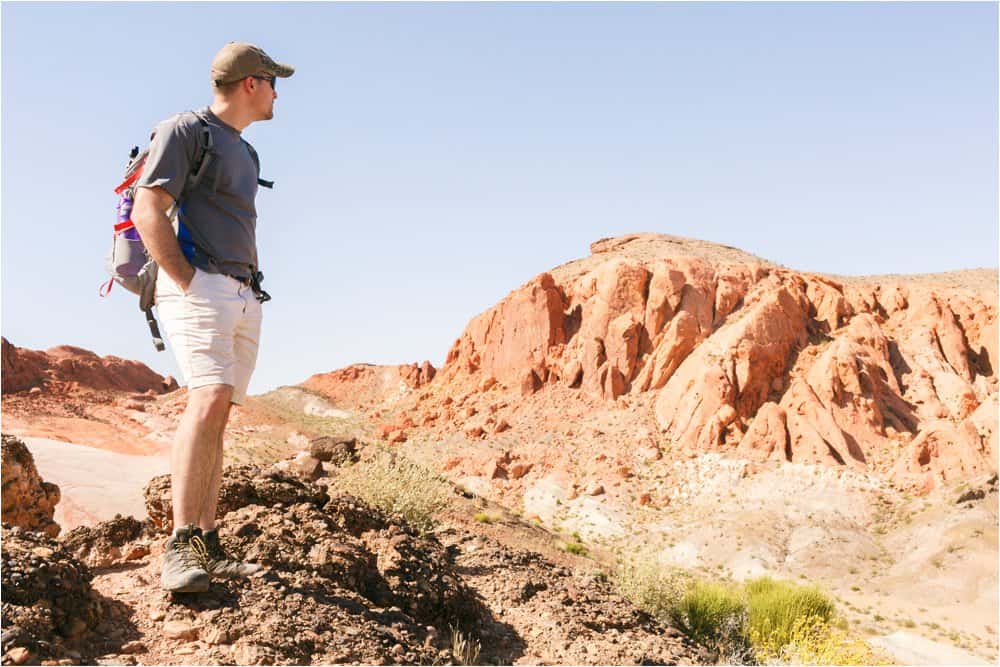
(199,586)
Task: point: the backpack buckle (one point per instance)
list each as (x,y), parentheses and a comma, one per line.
(256,278)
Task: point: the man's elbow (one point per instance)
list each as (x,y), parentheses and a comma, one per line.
(149,207)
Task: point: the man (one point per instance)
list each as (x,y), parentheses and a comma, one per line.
(207,289)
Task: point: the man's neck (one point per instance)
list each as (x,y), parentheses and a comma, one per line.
(230,115)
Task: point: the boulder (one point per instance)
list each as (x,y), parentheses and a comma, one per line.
(338,451)
(28,501)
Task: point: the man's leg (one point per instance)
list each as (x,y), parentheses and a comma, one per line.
(218,562)
(211,504)
(197,452)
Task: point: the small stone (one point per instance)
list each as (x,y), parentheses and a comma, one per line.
(137,551)
(648,454)
(19,655)
(42,552)
(247,654)
(180,630)
(595,489)
(216,636)
(157,615)
(518,470)
(34,390)
(529,383)
(307,466)
(398,649)
(132,647)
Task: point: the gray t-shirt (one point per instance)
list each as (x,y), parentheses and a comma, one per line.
(218,220)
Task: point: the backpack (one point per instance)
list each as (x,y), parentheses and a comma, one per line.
(128,261)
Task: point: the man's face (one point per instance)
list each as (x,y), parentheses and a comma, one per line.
(263,96)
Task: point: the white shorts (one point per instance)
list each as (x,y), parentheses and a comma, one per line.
(213,329)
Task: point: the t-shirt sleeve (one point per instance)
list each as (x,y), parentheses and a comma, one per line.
(171,155)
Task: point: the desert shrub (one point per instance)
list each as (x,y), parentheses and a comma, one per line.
(649,586)
(762,621)
(774,607)
(575,548)
(397,486)
(813,641)
(482,517)
(715,615)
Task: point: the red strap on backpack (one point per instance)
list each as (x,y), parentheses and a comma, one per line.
(129,181)
(105,289)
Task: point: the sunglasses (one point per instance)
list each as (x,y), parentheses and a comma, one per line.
(270,79)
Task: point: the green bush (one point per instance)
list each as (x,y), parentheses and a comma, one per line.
(774,607)
(762,621)
(576,548)
(707,609)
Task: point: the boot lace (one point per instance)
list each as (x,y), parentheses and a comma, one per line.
(198,552)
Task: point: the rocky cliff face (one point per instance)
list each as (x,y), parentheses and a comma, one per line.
(28,501)
(895,374)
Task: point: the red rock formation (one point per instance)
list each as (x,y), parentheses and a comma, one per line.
(367,385)
(729,376)
(27,369)
(752,358)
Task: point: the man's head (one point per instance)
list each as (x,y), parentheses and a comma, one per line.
(245,77)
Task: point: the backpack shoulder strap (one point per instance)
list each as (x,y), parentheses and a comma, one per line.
(206,155)
(256,160)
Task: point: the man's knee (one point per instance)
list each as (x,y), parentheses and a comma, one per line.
(210,402)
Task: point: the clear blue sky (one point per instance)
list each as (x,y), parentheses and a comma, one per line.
(429,158)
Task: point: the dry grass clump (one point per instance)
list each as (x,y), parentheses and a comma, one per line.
(464,647)
(649,586)
(397,486)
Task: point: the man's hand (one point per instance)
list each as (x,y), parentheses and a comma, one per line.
(149,214)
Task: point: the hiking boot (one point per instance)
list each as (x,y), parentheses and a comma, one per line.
(220,564)
(183,571)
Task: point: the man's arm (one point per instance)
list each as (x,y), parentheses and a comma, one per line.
(149,214)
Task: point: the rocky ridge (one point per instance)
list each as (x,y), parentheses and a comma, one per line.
(344,584)
(64,367)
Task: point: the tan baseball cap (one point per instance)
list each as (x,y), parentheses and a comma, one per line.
(238,60)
